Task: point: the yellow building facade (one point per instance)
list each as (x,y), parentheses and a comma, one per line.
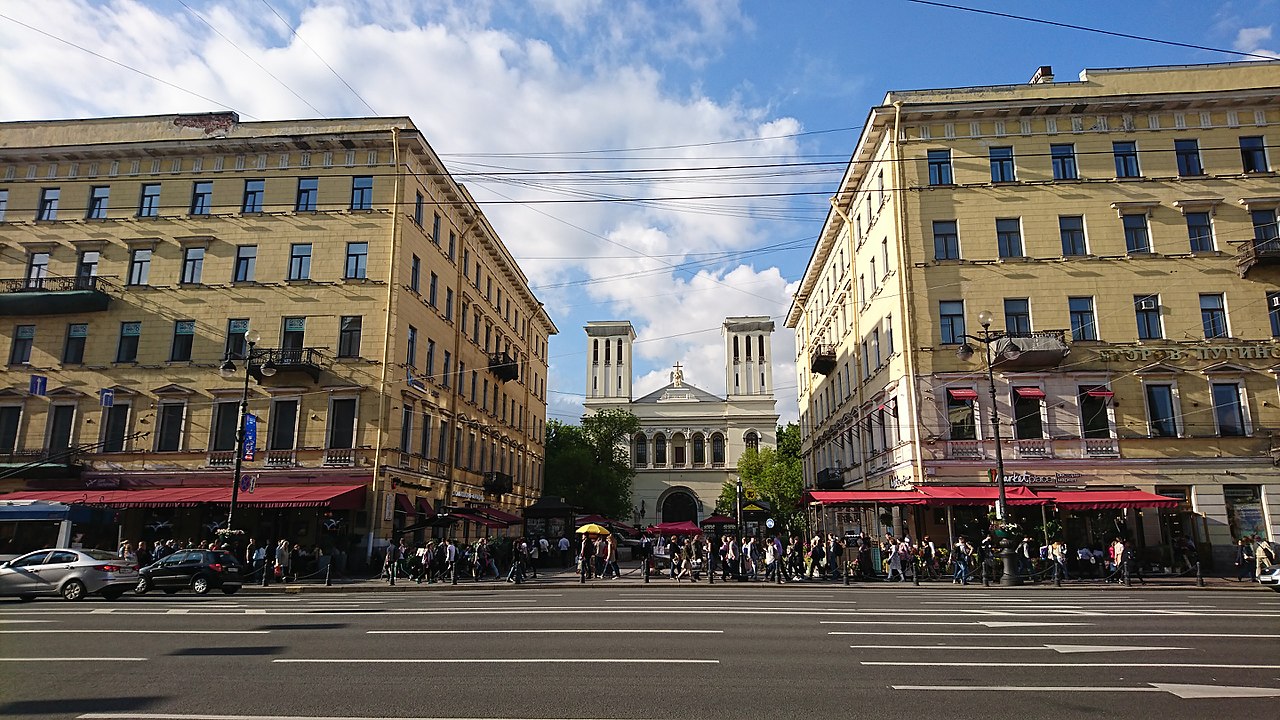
(1118,233)
(409,353)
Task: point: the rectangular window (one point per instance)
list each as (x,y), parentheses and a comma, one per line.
(349,336)
(415,273)
(362,192)
(960,414)
(1009,237)
(284,425)
(1253,154)
(48,207)
(1063,158)
(1228,410)
(1083,325)
(61,427)
(149,201)
(435,229)
(169,422)
(293,333)
(10,421)
(1147,310)
(951,321)
(1027,421)
(300,261)
(342,423)
(448,304)
(127,348)
(308,189)
(1126,156)
(357,260)
(411,348)
(946,241)
(1266,234)
(1188,154)
(445,371)
(4,203)
(431,359)
(424,447)
(1094,422)
(254,190)
(116,427)
(73,348)
(1213,315)
(1071,230)
(139,267)
(1002,165)
(432,289)
(1273,312)
(1136,237)
(1160,411)
(201,197)
(1017,317)
(87,267)
(184,333)
(418,203)
(24,336)
(192,265)
(246,262)
(1200,231)
(98,196)
(235,347)
(37,269)
(453,246)
(940,167)
(406,428)
(226,417)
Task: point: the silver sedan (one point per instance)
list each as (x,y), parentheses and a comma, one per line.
(73,574)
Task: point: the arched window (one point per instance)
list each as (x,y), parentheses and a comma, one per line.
(678,457)
(640,447)
(699,450)
(751,440)
(660,450)
(717,450)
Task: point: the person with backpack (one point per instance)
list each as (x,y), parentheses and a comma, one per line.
(960,561)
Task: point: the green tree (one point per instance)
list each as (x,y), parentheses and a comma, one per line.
(776,474)
(590,465)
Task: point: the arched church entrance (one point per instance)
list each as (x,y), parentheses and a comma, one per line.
(679,506)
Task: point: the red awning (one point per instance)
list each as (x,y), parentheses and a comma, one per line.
(688,527)
(963,393)
(404,504)
(337,497)
(865,497)
(424,508)
(478,519)
(719,520)
(1106,499)
(978,495)
(497,515)
(1099,392)
(1031,393)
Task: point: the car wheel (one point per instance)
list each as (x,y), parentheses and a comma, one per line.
(230,589)
(143,586)
(113,593)
(200,585)
(73,590)
(170,591)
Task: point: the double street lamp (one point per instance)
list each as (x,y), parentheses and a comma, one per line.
(1010,351)
(228,370)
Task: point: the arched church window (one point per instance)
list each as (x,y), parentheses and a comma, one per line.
(619,351)
(751,440)
(595,347)
(640,450)
(678,450)
(717,450)
(699,450)
(660,450)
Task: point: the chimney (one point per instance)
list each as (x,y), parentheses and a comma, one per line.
(1044,74)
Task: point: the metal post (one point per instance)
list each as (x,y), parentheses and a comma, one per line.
(244,411)
(982,568)
(266,567)
(1011,576)
(1200,575)
(328,573)
(915,570)
(1057,574)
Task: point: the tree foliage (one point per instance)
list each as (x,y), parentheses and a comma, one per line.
(776,474)
(589,465)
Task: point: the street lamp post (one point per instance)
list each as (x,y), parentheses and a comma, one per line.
(228,370)
(1011,351)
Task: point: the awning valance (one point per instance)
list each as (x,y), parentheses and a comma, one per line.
(978,495)
(943,495)
(865,497)
(1031,393)
(497,515)
(1107,499)
(963,393)
(337,497)
(478,519)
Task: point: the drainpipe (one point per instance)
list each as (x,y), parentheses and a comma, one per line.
(388,340)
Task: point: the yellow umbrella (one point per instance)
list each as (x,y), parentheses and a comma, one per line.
(593,529)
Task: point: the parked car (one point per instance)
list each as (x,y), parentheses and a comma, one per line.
(1270,577)
(73,574)
(199,570)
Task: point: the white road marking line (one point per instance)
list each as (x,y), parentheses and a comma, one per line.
(1225,666)
(1063,649)
(178,611)
(72,659)
(102,611)
(1182,691)
(988,623)
(502,661)
(180,716)
(136,632)
(733,600)
(539,631)
(14,622)
(1058,635)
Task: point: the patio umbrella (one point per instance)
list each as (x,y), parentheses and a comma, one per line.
(593,529)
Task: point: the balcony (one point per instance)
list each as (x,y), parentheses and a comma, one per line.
(339,457)
(40,463)
(1035,448)
(282,458)
(964,449)
(53,296)
(1038,350)
(222,458)
(822,360)
(288,360)
(1261,252)
(1101,447)
(497,483)
(503,366)
(831,478)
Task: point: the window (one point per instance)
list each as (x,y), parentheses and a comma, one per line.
(659,450)
(127,348)
(349,336)
(1147,310)
(888,343)
(418,203)
(308,189)
(415,273)
(73,348)
(1228,412)
(435,229)
(98,196)
(201,197)
(640,450)
(1071,230)
(149,201)
(406,429)
(951,321)
(1160,411)
(246,260)
(139,267)
(1213,315)
(1063,158)
(1017,317)
(699,450)
(411,348)
(293,333)
(10,420)
(362,192)
(1126,155)
(961,415)
(1083,325)
(946,241)
(1200,231)
(236,347)
(192,265)
(453,246)
(254,190)
(115,427)
(48,207)
(300,261)
(940,167)
(1136,237)
(717,450)
(1009,237)
(87,267)
(284,425)
(184,332)
(448,359)
(1094,421)
(37,269)
(431,290)
(1273,311)
(448,304)
(169,421)
(1266,235)
(1002,164)
(342,423)
(1027,421)
(357,260)
(226,419)
(1188,154)
(1253,154)
(62,427)
(4,203)
(24,336)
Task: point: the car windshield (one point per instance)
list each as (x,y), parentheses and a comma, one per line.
(100,555)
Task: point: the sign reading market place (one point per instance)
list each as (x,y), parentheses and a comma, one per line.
(1030,478)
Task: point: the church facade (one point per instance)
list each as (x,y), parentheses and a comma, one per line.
(690,439)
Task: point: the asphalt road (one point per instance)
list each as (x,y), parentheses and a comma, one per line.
(648,651)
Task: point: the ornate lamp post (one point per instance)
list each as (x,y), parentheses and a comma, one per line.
(228,370)
(1010,351)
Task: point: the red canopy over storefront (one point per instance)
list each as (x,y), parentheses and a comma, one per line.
(688,527)
(865,497)
(719,520)
(1106,499)
(977,495)
(337,497)
(479,519)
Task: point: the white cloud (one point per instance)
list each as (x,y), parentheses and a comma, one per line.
(1251,39)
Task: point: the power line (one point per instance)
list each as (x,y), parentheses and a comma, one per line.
(324,62)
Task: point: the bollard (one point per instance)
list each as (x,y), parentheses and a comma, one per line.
(711,571)
(328,573)
(646,570)
(915,573)
(982,568)
(266,572)
(847,573)
(1199,575)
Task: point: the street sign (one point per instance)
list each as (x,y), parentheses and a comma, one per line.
(250,435)
(106,397)
(39,385)
(751,494)
(248,483)
(769,523)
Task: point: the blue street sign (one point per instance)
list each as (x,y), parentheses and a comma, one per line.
(248,483)
(106,397)
(250,435)
(39,385)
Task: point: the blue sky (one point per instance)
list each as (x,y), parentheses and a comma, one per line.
(723,101)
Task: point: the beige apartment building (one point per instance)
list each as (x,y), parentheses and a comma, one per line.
(1120,230)
(400,364)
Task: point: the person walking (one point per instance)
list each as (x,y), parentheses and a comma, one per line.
(566,551)
(1244,560)
(894,549)
(960,561)
(1058,555)
(1263,556)
(586,558)
(611,571)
